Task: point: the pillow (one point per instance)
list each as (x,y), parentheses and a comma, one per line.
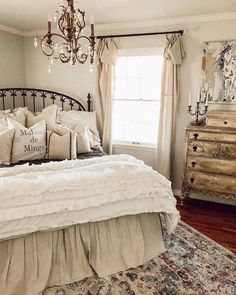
(73,119)
(82,138)
(3,124)
(83,142)
(18,114)
(6,140)
(61,147)
(28,144)
(49,115)
(60,130)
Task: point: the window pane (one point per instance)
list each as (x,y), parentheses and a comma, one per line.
(137,77)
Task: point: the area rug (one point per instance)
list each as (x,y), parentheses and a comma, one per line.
(192,265)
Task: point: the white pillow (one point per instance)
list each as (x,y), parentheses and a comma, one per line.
(73,119)
(82,138)
(18,114)
(49,115)
(28,144)
(61,147)
(60,130)
(6,140)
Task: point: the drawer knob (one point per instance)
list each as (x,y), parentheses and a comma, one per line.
(194,148)
(195,135)
(225,122)
(194,164)
(192,180)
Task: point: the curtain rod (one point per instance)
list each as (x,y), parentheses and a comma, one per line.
(181,32)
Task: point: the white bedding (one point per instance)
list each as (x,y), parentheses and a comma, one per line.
(60,194)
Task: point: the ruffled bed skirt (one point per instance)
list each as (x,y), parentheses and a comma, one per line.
(32,263)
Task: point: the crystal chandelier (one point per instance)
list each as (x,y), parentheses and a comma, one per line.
(70,44)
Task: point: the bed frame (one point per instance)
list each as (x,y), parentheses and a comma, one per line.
(18,97)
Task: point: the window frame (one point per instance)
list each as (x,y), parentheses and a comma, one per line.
(126,52)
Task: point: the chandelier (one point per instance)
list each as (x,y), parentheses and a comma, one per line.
(70,45)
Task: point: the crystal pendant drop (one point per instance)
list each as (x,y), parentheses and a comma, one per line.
(49,67)
(55,18)
(35,42)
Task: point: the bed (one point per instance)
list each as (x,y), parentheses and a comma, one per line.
(63,221)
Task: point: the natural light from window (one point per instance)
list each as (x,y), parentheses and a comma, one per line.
(137,99)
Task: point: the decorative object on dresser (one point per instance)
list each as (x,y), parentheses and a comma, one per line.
(210,159)
(198,112)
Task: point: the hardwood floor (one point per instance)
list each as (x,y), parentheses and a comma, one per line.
(217,221)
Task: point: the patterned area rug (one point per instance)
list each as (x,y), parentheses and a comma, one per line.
(193,265)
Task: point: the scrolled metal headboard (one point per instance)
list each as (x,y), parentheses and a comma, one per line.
(22,94)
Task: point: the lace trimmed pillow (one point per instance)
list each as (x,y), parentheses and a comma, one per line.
(29,143)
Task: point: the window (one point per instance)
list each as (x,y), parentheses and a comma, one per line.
(137,98)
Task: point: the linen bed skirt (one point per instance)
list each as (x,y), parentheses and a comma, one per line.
(34,262)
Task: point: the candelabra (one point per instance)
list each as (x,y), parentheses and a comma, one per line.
(198,112)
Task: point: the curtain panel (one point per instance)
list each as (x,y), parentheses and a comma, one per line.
(173,58)
(107,56)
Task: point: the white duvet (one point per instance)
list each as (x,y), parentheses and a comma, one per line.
(60,194)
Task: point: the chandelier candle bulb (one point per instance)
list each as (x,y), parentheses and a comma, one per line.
(35,42)
(91,19)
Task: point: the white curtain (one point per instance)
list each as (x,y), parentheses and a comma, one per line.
(107,56)
(173,58)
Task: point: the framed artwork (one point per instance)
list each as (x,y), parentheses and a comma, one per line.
(219,72)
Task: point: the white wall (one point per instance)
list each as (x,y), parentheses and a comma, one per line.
(78,81)
(12,61)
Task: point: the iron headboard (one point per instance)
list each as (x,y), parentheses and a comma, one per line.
(22,94)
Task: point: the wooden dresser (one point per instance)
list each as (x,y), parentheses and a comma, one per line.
(210,159)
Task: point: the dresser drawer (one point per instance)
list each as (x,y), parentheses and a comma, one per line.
(212,182)
(217,166)
(212,150)
(221,119)
(210,136)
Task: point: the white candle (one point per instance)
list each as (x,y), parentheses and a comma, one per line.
(199,94)
(190,98)
(49,17)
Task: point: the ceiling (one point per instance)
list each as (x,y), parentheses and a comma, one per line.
(27,15)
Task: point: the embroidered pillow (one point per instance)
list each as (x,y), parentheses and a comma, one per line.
(73,119)
(6,140)
(49,115)
(61,147)
(29,143)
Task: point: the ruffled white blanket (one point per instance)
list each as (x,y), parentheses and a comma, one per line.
(94,189)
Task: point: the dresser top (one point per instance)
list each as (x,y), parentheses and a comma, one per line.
(211,129)
(221,114)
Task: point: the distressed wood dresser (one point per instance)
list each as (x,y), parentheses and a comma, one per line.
(210,157)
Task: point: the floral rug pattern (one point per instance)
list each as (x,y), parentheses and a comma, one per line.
(193,265)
